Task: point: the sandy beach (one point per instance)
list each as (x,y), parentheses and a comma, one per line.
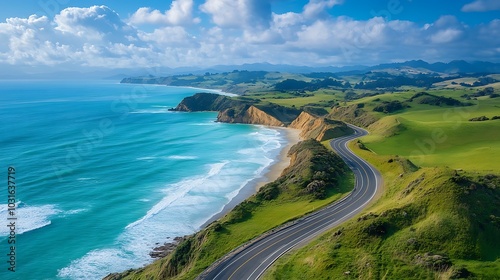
(275,170)
(271,173)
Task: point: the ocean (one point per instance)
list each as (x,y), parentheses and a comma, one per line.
(104,173)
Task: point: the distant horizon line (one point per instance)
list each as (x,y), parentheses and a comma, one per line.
(43,73)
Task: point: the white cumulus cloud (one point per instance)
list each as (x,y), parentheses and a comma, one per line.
(180,12)
(446,36)
(94,23)
(239,13)
(482,6)
(170,36)
(241,31)
(317,7)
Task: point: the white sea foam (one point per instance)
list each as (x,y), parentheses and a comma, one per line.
(179,190)
(182,157)
(141,236)
(75,211)
(146,158)
(185,206)
(153,111)
(28,217)
(162,106)
(94,264)
(248,151)
(205,124)
(269,138)
(84,179)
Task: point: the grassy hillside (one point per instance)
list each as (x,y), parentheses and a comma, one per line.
(431,223)
(436,221)
(432,135)
(315,178)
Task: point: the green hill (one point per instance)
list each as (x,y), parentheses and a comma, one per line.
(439,220)
(430,99)
(434,223)
(433,136)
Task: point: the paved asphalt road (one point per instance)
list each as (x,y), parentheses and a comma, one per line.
(252,261)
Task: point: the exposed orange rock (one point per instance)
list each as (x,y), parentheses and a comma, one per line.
(252,115)
(319,128)
(309,125)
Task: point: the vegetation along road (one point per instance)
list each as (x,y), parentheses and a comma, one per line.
(252,260)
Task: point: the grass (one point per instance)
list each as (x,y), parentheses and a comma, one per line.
(422,213)
(265,218)
(449,84)
(323,98)
(438,136)
(433,213)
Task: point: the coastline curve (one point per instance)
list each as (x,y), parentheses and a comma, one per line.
(252,259)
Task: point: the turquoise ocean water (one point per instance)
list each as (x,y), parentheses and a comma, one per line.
(104,173)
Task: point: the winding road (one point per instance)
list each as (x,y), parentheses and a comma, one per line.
(252,260)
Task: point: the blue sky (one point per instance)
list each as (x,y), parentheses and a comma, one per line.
(92,34)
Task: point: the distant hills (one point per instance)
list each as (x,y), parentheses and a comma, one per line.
(32,72)
(455,66)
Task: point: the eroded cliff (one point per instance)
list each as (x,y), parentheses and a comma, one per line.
(233,110)
(250,115)
(319,128)
(238,111)
(207,102)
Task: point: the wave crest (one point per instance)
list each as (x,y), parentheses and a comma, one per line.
(28,217)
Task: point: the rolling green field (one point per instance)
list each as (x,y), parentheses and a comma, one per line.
(436,220)
(321,98)
(430,223)
(440,136)
(426,134)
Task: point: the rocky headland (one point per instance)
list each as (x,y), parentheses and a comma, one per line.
(231,110)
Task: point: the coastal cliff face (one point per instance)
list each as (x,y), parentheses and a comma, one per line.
(244,111)
(238,111)
(251,115)
(310,126)
(206,102)
(319,128)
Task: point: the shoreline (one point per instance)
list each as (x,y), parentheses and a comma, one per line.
(270,174)
(210,90)
(218,91)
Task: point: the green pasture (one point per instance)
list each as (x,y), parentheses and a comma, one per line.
(438,136)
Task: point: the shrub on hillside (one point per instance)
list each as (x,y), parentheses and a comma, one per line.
(389,107)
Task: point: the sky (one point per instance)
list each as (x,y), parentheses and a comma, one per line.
(91,34)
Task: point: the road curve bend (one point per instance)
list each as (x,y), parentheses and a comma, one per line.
(252,260)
